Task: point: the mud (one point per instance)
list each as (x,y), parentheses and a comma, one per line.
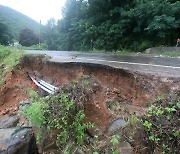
(121,93)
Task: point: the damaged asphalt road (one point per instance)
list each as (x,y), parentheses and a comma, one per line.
(162,66)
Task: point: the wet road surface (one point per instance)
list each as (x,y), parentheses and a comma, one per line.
(162,66)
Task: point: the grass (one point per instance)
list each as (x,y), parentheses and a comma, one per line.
(169,54)
(131,53)
(34,47)
(9,57)
(124,52)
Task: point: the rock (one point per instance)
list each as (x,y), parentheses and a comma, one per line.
(17,141)
(23,121)
(8,121)
(116,125)
(125,148)
(23,104)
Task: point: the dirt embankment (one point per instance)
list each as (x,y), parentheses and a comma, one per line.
(120,92)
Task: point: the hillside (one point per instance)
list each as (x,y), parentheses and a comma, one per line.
(17,21)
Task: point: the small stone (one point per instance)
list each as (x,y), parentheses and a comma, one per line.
(125,148)
(8,121)
(116,125)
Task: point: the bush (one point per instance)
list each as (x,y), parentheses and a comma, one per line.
(162,125)
(28,38)
(59,115)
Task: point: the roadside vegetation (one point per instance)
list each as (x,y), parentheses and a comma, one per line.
(64,123)
(9,58)
(158,130)
(42,46)
(161,124)
(62,118)
(15,21)
(114,25)
(169,54)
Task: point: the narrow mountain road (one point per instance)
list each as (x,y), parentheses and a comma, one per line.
(162,66)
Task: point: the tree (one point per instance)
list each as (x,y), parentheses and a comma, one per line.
(6,36)
(50,34)
(27,37)
(114,25)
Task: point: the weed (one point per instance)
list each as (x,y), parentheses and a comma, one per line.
(59,115)
(9,58)
(133,120)
(161,124)
(36,112)
(115,143)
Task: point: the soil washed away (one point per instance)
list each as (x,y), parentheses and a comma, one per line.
(119,92)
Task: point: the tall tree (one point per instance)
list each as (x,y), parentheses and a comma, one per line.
(114,25)
(6,36)
(27,37)
(50,34)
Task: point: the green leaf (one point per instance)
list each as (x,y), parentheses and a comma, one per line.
(115,140)
(176,134)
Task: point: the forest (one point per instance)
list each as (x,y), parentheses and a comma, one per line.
(112,25)
(109,25)
(12,23)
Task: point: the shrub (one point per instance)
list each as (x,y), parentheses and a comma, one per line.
(59,115)
(162,125)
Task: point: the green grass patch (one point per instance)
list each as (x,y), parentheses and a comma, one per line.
(9,57)
(170,54)
(124,52)
(35,47)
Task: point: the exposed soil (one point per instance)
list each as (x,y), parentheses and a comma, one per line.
(121,93)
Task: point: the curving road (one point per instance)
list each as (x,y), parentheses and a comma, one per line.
(162,66)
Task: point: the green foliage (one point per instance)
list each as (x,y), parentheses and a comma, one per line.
(28,38)
(113,25)
(50,34)
(5,34)
(115,140)
(41,46)
(133,120)
(37,116)
(59,115)
(4,52)
(36,112)
(9,58)
(169,54)
(115,143)
(162,124)
(70,123)
(16,21)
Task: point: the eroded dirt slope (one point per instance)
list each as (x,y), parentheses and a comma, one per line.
(129,92)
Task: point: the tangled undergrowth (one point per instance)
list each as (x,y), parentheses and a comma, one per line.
(162,123)
(62,115)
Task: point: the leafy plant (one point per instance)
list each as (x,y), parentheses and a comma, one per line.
(116,25)
(36,112)
(115,143)
(161,124)
(59,115)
